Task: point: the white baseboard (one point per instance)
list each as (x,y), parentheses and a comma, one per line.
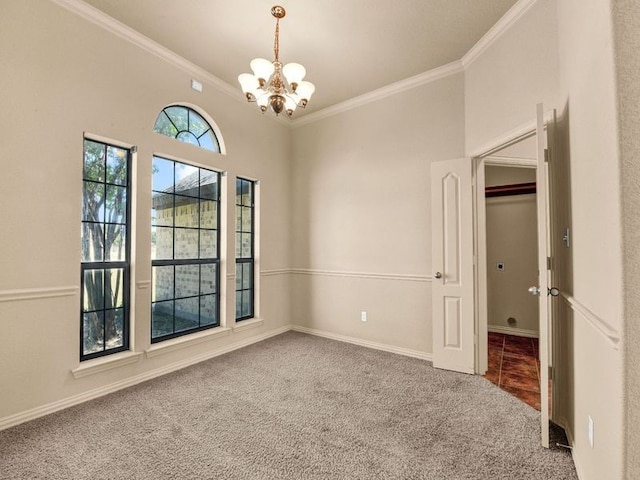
(520,332)
(365,343)
(41,411)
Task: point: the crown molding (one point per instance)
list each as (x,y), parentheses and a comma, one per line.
(125,32)
(384,92)
(112,25)
(508,19)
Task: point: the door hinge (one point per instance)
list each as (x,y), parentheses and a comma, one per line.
(547,155)
(548,263)
(550,372)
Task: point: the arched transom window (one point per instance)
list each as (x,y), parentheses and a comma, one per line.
(188,126)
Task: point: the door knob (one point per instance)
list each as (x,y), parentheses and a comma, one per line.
(534,290)
(438,275)
(554,292)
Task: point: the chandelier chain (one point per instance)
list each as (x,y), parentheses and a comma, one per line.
(276,41)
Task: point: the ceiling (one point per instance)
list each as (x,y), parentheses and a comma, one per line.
(349,47)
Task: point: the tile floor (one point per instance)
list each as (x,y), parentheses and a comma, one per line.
(514,366)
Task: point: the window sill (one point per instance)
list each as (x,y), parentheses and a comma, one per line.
(186,341)
(99,365)
(247,324)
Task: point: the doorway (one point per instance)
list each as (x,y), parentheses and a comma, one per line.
(512,267)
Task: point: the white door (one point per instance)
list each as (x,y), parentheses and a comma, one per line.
(452,260)
(544,270)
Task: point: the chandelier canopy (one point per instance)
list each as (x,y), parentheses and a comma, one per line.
(274,85)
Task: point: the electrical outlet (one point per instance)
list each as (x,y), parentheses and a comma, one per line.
(590,431)
(363,316)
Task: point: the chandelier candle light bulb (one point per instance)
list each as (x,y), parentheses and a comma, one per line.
(267,87)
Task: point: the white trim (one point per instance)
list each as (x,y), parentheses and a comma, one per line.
(103,364)
(407,277)
(599,325)
(37,412)
(384,92)
(513,136)
(520,332)
(185,341)
(37,293)
(508,19)
(276,271)
(247,324)
(515,162)
(365,343)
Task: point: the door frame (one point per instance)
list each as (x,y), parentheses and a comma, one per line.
(481,158)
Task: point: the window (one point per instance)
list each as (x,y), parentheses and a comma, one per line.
(244,249)
(184,251)
(186,125)
(104,326)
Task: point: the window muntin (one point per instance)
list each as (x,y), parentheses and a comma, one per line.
(185,215)
(105,240)
(245,228)
(188,126)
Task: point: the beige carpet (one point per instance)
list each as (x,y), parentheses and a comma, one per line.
(292,407)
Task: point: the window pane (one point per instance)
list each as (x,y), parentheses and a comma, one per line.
(186,212)
(208,278)
(162,175)
(187,313)
(208,214)
(246,245)
(162,209)
(239,273)
(93,202)
(116,242)
(247,275)
(246,219)
(187,179)
(161,319)
(92,332)
(238,304)
(116,165)
(246,303)
(162,281)
(187,280)
(92,241)
(186,243)
(164,126)
(93,161)
(116,204)
(93,290)
(209,142)
(161,243)
(114,328)
(208,184)
(178,116)
(208,310)
(208,244)
(197,124)
(238,246)
(114,292)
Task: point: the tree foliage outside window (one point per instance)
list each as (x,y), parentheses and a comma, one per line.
(188,126)
(105,250)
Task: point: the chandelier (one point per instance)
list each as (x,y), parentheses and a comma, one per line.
(268,88)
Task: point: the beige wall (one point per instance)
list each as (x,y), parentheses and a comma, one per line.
(626,24)
(511,223)
(362,208)
(518,71)
(64,76)
(592,284)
